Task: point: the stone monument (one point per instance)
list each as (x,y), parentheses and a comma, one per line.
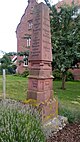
(40,82)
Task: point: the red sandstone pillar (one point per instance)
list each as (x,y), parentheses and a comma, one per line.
(40,83)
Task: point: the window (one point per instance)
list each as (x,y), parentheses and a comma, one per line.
(32,10)
(30,24)
(78,11)
(28,41)
(25,60)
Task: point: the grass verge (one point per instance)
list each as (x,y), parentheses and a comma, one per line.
(69,99)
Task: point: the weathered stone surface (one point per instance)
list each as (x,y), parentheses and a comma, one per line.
(41,37)
(54,125)
(40,83)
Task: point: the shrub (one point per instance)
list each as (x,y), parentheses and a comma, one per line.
(25,73)
(73,116)
(12,69)
(19,123)
(56,75)
(69,76)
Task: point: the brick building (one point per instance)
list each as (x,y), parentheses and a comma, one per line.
(24,30)
(67,2)
(23,33)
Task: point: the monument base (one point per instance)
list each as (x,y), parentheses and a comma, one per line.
(48,109)
(40,95)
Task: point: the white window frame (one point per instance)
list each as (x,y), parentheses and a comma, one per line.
(28,42)
(25,62)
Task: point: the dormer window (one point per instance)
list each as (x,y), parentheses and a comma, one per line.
(32,8)
(30,24)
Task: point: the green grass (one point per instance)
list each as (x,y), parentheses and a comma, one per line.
(16,87)
(69,99)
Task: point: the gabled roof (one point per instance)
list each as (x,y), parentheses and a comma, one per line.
(29,3)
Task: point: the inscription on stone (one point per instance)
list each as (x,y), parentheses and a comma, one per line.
(41,85)
(41,37)
(34,84)
(36,34)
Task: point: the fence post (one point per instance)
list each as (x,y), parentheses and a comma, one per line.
(4,84)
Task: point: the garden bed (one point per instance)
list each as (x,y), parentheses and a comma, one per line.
(70,133)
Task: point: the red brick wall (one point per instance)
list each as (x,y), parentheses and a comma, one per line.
(68,2)
(22,30)
(76,73)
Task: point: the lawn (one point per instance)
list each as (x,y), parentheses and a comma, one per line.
(69,99)
(16,87)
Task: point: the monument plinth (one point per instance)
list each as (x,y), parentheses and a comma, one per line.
(40,83)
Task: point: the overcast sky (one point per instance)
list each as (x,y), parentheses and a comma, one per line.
(10,15)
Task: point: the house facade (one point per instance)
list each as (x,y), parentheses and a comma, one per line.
(67,2)
(23,34)
(24,31)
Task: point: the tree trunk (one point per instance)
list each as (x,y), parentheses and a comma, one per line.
(63,80)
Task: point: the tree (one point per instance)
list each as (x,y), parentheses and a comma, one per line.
(65,37)
(6,63)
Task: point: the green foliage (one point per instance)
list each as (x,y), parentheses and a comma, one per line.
(19,123)
(69,99)
(25,73)
(23,53)
(64,30)
(69,76)
(6,64)
(56,75)
(73,116)
(12,69)
(1,70)
(5,61)
(65,37)
(11,53)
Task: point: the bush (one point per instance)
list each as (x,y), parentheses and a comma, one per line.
(69,76)
(11,69)
(73,116)
(25,73)
(1,70)
(56,75)
(19,123)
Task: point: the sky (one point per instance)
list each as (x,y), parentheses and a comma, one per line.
(11,12)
